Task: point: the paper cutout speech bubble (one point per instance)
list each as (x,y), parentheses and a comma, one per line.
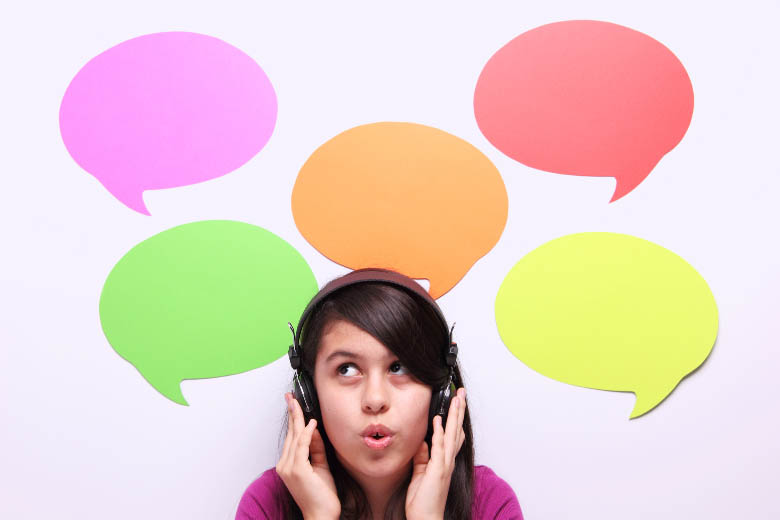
(205,299)
(585,98)
(401,196)
(165,110)
(608,311)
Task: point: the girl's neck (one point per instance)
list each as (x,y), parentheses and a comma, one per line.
(379,490)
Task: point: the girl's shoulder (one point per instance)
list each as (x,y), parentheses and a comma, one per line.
(264,498)
(493,497)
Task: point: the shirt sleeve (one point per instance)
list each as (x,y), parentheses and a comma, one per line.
(494,498)
(263,499)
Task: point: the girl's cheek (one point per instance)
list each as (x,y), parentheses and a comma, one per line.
(348,381)
(415,407)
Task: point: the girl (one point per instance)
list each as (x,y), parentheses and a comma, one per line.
(382,433)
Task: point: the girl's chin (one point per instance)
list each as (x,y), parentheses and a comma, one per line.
(377,467)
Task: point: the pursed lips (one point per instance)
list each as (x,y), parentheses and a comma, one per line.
(377,431)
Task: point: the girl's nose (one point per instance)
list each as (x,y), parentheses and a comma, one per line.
(375,395)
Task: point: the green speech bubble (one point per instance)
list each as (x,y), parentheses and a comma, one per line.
(204,299)
(608,311)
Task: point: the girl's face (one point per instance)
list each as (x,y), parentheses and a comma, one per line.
(361,383)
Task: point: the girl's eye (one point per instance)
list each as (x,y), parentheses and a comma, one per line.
(398,366)
(343,368)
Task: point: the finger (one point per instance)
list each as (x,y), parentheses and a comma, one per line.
(455,408)
(451,430)
(456,427)
(460,435)
(303,443)
(461,414)
(420,460)
(297,415)
(437,440)
(317,450)
(284,459)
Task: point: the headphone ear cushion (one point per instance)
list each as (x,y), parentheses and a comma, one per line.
(306,395)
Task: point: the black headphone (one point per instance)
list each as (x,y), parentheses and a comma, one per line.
(303,385)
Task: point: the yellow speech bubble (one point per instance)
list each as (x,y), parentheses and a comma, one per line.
(608,311)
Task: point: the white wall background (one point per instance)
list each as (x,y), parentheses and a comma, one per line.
(83,436)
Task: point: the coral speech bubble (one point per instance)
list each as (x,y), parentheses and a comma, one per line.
(608,311)
(402,196)
(204,299)
(585,98)
(165,110)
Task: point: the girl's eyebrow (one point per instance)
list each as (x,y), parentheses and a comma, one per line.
(343,353)
(347,354)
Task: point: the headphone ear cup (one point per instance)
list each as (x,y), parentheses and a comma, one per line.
(440,403)
(306,395)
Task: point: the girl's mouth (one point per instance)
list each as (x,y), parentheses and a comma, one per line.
(377,436)
(378,442)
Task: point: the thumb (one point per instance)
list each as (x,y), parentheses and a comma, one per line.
(420,459)
(317,450)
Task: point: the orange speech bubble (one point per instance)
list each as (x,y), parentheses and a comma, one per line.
(402,196)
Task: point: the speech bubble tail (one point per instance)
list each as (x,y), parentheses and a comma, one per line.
(135,201)
(647,399)
(625,183)
(624,186)
(167,387)
(439,287)
(130,196)
(435,290)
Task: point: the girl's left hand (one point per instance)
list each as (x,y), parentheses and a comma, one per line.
(426,496)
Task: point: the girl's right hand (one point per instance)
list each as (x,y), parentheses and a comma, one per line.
(310,484)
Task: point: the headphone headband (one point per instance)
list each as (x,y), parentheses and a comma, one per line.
(382,276)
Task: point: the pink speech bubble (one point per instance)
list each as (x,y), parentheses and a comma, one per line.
(165,110)
(585,98)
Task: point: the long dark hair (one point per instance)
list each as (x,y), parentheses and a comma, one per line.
(411,329)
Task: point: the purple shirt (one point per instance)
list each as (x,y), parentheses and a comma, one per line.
(493,498)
